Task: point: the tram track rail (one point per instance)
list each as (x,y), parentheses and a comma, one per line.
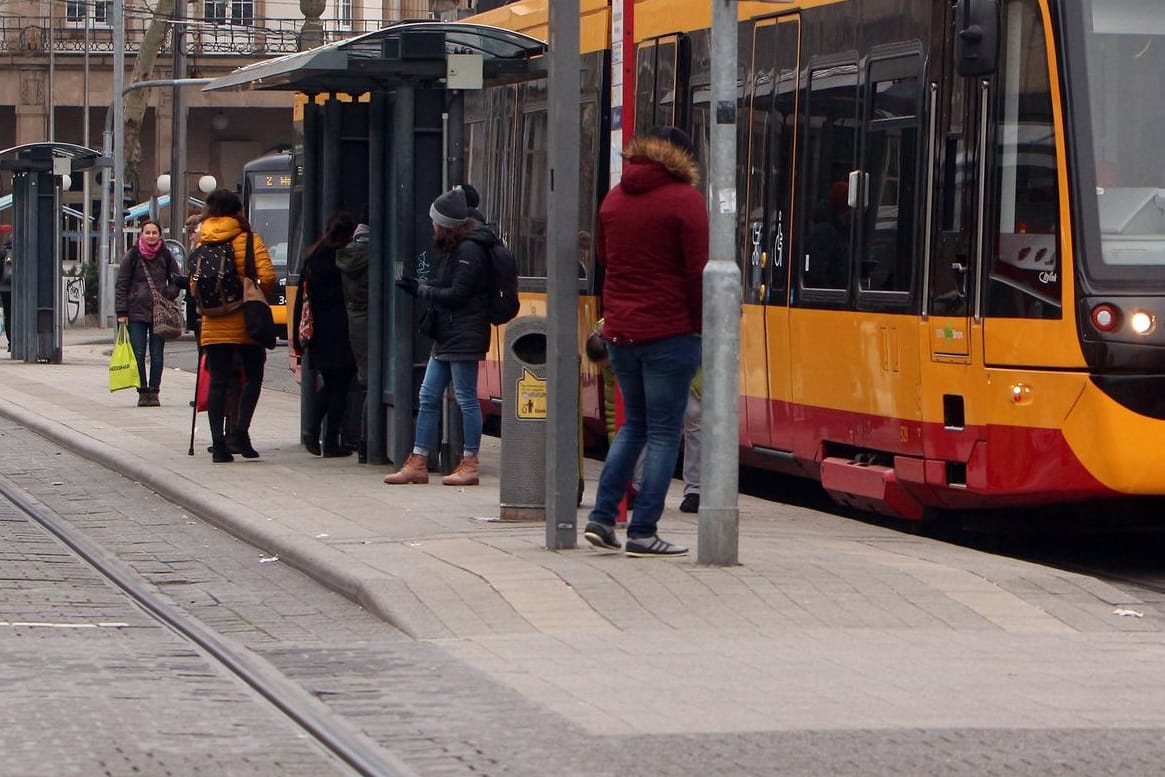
(349,745)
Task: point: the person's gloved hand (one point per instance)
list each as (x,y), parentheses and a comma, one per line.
(408,285)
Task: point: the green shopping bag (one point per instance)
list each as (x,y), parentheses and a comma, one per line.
(123,366)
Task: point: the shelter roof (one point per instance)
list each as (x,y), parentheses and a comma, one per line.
(404,53)
(38,157)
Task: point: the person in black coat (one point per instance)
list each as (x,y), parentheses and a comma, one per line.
(458,322)
(329,351)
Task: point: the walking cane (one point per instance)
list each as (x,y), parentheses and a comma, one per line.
(194,408)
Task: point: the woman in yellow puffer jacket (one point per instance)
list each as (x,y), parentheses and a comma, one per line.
(222,337)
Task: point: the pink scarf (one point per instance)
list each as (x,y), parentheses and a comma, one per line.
(147,251)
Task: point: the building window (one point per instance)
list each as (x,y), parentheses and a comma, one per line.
(229,11)
(77,10)
(343,10)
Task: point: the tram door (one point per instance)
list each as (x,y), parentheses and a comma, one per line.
(765,377)
(957,108)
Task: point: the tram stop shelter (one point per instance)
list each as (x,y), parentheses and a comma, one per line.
(37,315)
(380,135)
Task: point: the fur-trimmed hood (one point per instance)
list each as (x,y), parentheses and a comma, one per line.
(649,157)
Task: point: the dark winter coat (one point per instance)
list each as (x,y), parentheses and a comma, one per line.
(329,348)
(652,238)
(132,297)
(352,260)
(457,295)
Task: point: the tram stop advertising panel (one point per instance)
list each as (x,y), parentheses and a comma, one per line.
(37,315)
(382,136)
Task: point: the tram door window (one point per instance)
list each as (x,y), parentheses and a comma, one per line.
(951,280)
(829,150)
(779,190)
(698,97)
(1025,265)
(890,165)
(771,94)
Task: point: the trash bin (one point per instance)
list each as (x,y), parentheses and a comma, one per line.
(523,470)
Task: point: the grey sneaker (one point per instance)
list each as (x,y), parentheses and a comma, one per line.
(601,536)
(651,547)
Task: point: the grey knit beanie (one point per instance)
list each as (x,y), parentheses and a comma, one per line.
(449,210)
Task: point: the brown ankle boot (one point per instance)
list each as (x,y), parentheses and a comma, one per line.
(415,470)
(464,475)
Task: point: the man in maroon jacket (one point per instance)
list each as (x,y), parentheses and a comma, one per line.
(652,238)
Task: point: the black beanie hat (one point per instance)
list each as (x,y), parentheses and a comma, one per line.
(472,196)
(449,210)
(676,136)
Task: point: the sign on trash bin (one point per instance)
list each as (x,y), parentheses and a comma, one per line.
(531,397)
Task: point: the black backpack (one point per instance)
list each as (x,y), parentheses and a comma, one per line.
(502,282)
(218,289)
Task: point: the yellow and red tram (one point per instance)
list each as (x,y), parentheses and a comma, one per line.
(951,231)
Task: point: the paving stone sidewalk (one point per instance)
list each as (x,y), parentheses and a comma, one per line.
(827,623)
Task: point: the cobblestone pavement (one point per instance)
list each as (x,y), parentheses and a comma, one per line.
(92,685)
(519,704)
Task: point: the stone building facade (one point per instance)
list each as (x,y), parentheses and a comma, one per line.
(56,65)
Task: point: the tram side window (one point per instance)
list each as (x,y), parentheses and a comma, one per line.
(831,129)
(655,86)
(587,193)
(531,216)
(665,85)
(500,198)
(1025,267)
(888,244)
(644,85)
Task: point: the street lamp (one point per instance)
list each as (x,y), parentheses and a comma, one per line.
(164,184)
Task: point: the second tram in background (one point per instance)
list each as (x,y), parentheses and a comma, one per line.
(951,231)
(267,203)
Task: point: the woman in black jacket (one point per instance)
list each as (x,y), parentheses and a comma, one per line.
(329,351)
(148,261)
(458,320)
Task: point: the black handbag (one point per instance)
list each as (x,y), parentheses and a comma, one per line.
(257,318)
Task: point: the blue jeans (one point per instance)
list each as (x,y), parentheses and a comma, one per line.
(654,379)
(139,332)
(438,374)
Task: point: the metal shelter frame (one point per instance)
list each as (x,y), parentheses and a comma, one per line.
(37,316)
(384,159)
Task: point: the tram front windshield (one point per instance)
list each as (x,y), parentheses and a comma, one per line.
(1126,59)
(270,218)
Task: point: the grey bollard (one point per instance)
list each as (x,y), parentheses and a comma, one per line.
(524,405)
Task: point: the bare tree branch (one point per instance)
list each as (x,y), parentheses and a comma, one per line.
(137,101)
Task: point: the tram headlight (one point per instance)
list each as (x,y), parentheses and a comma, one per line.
(1142,323)
(1105,318)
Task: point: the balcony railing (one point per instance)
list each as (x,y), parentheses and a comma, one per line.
(31,36)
